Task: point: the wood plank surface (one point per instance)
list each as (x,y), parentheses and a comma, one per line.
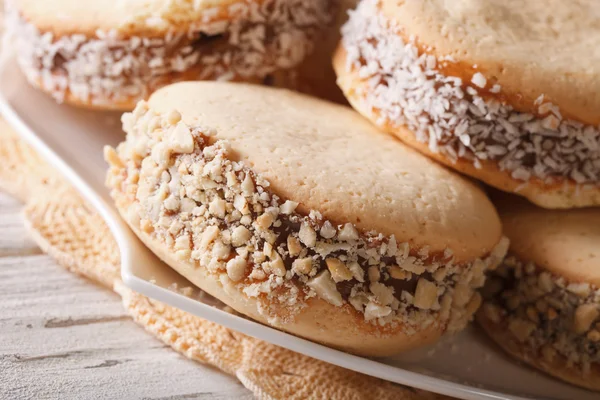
(62,337)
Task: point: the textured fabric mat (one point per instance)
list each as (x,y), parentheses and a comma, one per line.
(70,231)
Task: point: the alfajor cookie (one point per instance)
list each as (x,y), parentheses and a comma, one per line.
(542,305)
(298,213)
(507,92)
(109,56)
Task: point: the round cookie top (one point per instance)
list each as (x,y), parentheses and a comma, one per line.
(529,48)
(331,160)
(148,17)
(565,243)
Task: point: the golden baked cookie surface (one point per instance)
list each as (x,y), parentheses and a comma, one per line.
(529,47)
(562,242)
(128,16)
(337,163)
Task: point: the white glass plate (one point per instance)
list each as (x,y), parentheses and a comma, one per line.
(465,366)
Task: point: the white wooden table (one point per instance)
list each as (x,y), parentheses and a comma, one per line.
(62,337)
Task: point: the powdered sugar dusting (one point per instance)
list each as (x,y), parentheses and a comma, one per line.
(404,88)
(257,40)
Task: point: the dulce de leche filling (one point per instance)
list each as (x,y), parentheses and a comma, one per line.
(549,315)
(403,86)
(241,41)
(181,186)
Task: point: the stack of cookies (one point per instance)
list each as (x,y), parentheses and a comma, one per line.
(354,232)
(507,93)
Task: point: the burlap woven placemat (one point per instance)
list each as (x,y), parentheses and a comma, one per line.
(70,231)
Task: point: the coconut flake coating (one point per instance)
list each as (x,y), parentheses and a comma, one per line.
(111,67)
(182,187)
(548,314)
(402,86)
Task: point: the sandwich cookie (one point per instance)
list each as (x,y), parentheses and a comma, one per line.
(97,55)
(542,305)
(300,214)
(488,88)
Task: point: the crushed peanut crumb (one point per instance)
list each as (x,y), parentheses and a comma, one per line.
(545,312)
